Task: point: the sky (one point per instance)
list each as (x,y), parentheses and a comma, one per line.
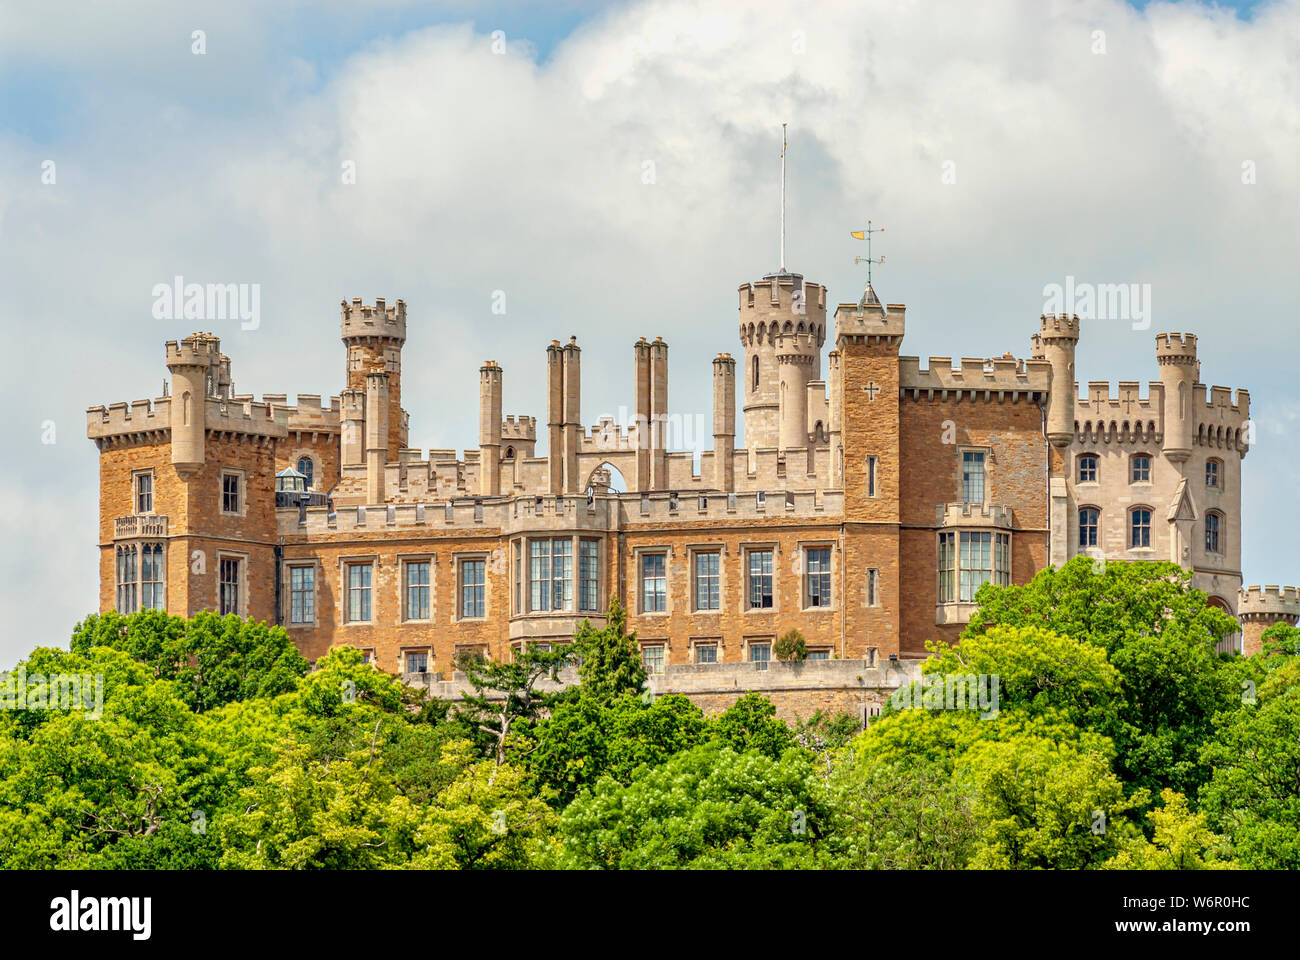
(611,171)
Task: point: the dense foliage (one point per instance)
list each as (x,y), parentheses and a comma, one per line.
(1110,735)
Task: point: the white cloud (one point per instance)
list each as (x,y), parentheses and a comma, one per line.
(479,172)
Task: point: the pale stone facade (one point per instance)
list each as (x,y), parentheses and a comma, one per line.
(868,505)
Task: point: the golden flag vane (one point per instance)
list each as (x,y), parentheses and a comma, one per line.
(868,295)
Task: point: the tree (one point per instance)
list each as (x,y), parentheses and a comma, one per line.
(706,808)
(609,661)
(1253,796)
(887,816)
(1045,804)
(1182,841)
(751,724)
(213,660)
(584,740)
(1158,633)
(506,695)
(1036,670)
(791,646)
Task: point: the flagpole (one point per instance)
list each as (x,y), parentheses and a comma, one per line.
(782,270)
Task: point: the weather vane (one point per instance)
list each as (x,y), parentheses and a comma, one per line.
(868,295)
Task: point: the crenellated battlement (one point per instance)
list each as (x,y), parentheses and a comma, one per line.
(122,419)
(1270,602)
(1126,403)
(196,350)
(997,376)
(874,323)
(361,321)
(1057,326)
(519,428)
(1177,348)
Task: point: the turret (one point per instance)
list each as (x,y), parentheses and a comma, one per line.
(572,431)
(555,417)
(1179,372)
(1056,341)
(659,414)
(1258,608)
(489,428)
(724,422)
(782,329)
(641,414)
(835,390)
(374,337)
(191,363)
(377,409)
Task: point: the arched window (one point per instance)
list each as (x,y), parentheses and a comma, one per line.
(307,467)
(1088,518)
(510,453)
(755,387)
(1214,474)
(1139,527)
(1140,468)
(1088,468)
(1213,521)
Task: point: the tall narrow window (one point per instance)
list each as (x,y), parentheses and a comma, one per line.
(228,599)
(755,387)
(539,575)
(417,589)
(1139,527)
(1212,474)
(472,584)
(1212,532)
(126,580)
(760,579)
(871,476)
(144,493)
(947,567)
(230,493)
(654,583)
(873,587)
(817,577)
(1141,469)
(1088,518)
(519,577)
(151,577)
(562,574)
(1088,468)
(972,477)
(589,575)
(359,582)
(307,467)
(302,594)
(1002,559)
(975,559)
(706,581)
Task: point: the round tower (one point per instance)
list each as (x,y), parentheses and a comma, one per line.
(489,427)
(374,337)
(191,363)
(1058,336)
(782,329)
(1258,608)
(724,422)
(1179,373)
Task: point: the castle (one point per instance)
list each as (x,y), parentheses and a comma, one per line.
(873,496)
